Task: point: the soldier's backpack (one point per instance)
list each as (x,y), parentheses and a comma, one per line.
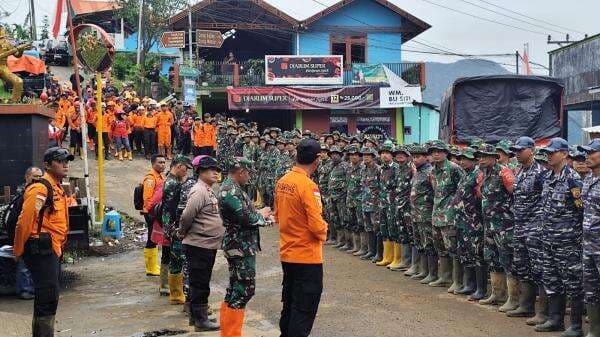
(138,197)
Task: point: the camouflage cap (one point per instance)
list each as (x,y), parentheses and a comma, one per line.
(335,132)
(486,150)
(418,149)
(401,148)
(371,140)
(541,155)
(232,132)
(575,154)
(475,142)
(504,146)
(368,151)
(352,149)
(438,145)
(335,149)
(270,141)
(387,146)
(280,140)
(241,163)
(467,152)
(246,135)
(324,148)
(344,139)
(278,130)
(180,159)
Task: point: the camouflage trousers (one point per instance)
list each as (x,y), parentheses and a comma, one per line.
(177,257)
(498,245)
(401,231)
(591,272)
(423,237)
(387,222)
(527,256)
(444,240)
(371,221)
(337,213)
(562,267)
(352,218)
(469,246)
(242,281)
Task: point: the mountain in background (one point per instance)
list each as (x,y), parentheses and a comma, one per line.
(441,75)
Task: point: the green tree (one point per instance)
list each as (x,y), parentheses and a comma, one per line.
(45,28)
(18,32)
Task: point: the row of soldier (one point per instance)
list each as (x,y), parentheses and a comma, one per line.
(454,217)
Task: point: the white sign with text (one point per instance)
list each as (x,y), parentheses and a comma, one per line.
(399,97)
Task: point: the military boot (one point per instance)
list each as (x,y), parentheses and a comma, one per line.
(423,268)
(415,259)
(498,294)
(201,320)
(340,239)
(163,288)
(457,276)
(355,243)
(512,302)
(593,312)
(526,306)
(348,243)
(445,273)
(42,326)
(405,263)
(556,314)
(576,315)
(481,276)
(541,312)
(432,266)
(469,284)
(378,249)
(372,246)
(364,244)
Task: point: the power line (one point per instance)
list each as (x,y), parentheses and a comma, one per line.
(484,19)
(529,17)
(512,17)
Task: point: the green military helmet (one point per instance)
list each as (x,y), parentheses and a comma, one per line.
(241,162)
(540,155)
(368,151)
(475,142)
(388,146)
(438,145)
(486,150)
(467,152)
(402,149)
(336,149)
(418,149)
(504,146)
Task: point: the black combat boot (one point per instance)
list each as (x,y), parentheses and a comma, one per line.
(42,326)
(415,259)
(526,301)
(372,246)
(575,330)
(556,314)
(379,250)
(423,269)
(481,277)
(432,275)
(201,320)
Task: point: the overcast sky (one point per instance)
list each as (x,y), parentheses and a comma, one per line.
(450,30)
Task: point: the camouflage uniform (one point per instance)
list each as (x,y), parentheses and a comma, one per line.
(591,239)
(561,216)
(241,242)
(336,187)
(170,202)
(387,208)
(269,174)
(421,202)
(353,196)
(370,195)
(323,175)
(527,193)
(497,219)
(401,231)
(286,162)
(183,197)
(444,182)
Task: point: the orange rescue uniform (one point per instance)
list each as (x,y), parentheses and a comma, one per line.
(151,181)
(55,220)
(149,122)
(298,210)
(164,120)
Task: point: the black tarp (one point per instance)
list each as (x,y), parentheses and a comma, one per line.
(501,107)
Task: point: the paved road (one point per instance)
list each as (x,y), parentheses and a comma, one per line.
(114,298)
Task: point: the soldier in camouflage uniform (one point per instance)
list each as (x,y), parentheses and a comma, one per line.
(561,215)
(401,230)
(467,218)
(370,202)
(591,235)
(287,158)
(170,223)
(227,149)
(336,186)
(445,178)
(241,242)
(323,170)
(496,187)
(421,206)
(506,156)
(388,179)
(527,258)
(222,142)
(353,201)
(250,151)
(270,170)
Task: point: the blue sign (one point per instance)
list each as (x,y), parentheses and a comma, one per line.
(189,91)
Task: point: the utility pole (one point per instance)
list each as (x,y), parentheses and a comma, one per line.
(190,30)
(517,60)
(32,20)
(139,41)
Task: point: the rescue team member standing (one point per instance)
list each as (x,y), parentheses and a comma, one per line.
(152,180)
(40,235)
(302,232)
(201,230)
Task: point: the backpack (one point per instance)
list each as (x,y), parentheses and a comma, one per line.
(11,216)
(138,195)
(155,204)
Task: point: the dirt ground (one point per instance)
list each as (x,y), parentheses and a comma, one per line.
(111,296)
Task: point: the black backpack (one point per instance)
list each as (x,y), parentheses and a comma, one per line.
(11,216)
(138,197)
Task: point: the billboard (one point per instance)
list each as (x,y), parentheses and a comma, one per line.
(304,69)
(371,74)
(400,97)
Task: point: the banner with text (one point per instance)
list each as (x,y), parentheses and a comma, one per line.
(303,69)
(303,98)
(401,97)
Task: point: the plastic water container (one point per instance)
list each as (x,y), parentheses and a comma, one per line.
(112,225)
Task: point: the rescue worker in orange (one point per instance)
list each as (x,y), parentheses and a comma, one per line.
(119,127)
(302,232)
(107,119)
(164,120)
(152,180)
(40,234)
(138,128)
(149,123)
(91,118)
(75,140)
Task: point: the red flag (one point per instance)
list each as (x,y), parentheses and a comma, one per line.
(60,8)
(526,65)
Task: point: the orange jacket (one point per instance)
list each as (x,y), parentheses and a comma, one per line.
(91,116)
(298,209)
(75,121)
(164,120)
(151,181)
(60,119)
(55,221)
(107,120)
(138,121)
(149,122)
(203,134)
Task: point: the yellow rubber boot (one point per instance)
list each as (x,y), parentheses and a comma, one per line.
(397,256)
(151,261)
(130,156)
(388,253)
(176,295)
